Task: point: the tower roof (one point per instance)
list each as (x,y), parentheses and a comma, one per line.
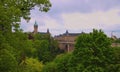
(35,24)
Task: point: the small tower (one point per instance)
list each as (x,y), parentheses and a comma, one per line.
(48,31)
(35,28)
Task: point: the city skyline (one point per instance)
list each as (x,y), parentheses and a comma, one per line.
(77,16)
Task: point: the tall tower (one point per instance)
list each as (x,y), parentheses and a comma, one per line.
(35,27)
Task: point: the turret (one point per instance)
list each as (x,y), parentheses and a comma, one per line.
(35,27)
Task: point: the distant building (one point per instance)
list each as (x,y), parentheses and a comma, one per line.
(115,44)
(67,40)
(35,28)
(35,31)
(115,39)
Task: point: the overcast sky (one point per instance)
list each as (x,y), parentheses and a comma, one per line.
(77,16)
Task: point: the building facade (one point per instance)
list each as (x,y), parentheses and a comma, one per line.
(67,41)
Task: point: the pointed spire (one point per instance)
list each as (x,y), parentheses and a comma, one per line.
(35,24)
(35,28)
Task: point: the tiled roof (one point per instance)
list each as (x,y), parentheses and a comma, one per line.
(68,34)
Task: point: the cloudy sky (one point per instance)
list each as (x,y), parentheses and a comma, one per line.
(77,16)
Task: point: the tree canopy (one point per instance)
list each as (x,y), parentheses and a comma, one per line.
(92,53)
(15,46)
(13,10)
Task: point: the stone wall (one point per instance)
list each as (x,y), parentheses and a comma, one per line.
(66,43)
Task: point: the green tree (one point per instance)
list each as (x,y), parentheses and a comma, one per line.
(92,53)
(13,44)
(31,65)
(59,64)
(62,62)
(43,50)
(46,47)
(34,65)
(8,62)
(50,67)
(116,66)
(13,10)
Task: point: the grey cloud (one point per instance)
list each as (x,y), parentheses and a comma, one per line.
(83,6)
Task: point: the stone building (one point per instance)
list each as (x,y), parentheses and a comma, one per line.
(67,40)
(35,28)
(116,40)
(35,31)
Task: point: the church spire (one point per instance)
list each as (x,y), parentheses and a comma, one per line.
(35,27)
(35,24)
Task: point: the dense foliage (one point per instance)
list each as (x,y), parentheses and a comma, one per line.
(15,46)
(11,11)
(46,47)
(92,53)
(18,53)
